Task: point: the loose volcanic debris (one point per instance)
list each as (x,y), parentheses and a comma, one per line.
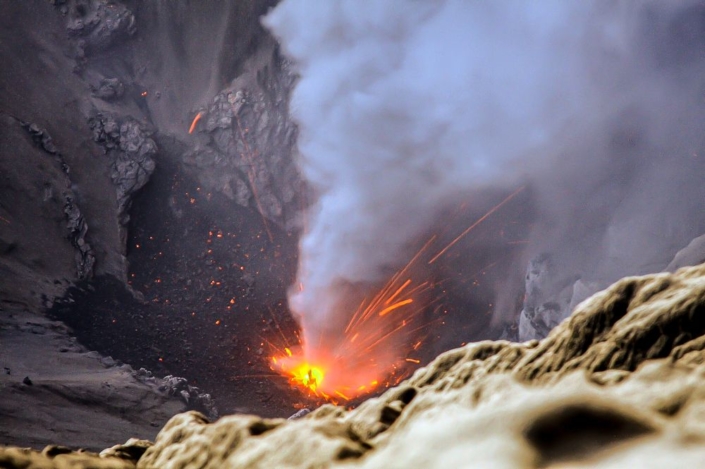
(619,384)
(194,325)
(191,395)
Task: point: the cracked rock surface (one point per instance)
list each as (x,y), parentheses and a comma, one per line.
(128,145)
(75,221)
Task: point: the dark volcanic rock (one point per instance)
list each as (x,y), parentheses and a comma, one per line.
(75,221)
(248,153)
(128,145)
(78,228)
(100,24)
(109,89)
(133,164)
(42,138)
(69,395)
(99,83)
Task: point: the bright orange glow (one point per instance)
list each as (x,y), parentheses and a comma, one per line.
(395,306)
(338,393)
(195,121)
(361,360)
(373,350)
(308,376)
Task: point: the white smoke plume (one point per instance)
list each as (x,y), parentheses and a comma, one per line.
(406,106)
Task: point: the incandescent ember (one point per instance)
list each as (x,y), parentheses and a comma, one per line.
(377,347)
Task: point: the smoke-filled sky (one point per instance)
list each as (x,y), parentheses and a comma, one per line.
(406,107)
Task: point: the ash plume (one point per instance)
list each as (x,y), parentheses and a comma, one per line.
(407,107)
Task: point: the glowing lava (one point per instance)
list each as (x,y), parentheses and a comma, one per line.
(313,379)
(377,346)
(308,376)
(373,345)
(195,121)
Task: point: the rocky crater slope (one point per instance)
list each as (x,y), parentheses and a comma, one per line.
(120,208)
(618,384)
(91,86)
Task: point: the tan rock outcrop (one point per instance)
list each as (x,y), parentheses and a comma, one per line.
(57,457)
(621,383)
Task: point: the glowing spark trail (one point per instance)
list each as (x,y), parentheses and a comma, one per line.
(375,343)
(480,220)
(395,306)
(195,121)
(396,293)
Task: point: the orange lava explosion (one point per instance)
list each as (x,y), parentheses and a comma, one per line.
(308,376)
(374,347)
(378,342)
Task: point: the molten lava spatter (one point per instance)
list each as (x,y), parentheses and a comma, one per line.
(195,121)
(378,346)
(372,348)
(321,381)
(308,376)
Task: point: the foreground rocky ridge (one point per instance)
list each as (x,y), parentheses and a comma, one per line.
(619,384)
